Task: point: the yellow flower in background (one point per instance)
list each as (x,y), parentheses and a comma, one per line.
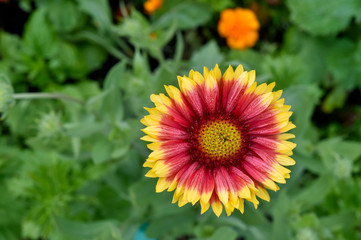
(151,6)
(219,140)
(240,27)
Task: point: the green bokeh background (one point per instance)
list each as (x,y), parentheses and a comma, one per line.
(71,167)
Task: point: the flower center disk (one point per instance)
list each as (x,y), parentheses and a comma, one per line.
(219,139)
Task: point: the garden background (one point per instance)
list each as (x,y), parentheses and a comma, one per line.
(76,74)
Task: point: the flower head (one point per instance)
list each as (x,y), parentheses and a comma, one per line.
(151,6)
(219,140)
(240,27)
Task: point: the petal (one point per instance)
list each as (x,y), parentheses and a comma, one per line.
(285,160)
(164,132)
(241,205)
(257,164)
(204,206)
(262,193)
(192,97)
(257,106)
(187,174)
(232,91)
(198,78)
(162,184)
(239,70)
(216,205)
(242,103)
(208,187)
(194,185)
(174,148)
(229,74)
(253,172)
(210,93)
(221,184)
(217,72)
(266,142)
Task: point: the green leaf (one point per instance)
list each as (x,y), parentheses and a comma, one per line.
(341,67)
(315,193)
(282,211)
(224,233)
(30,229)
(141,66)
(10,46)
(64,15)
(83,128)
(303,99)
(50,182)
(250,60)
(217,5)
(11,209)
(99,10)
(135,26)
(312,51)
(162,37)
(10,233)
(76,146)
(186,15)
(286,70)
(346,149)
(338,156)
(99,230)
(101,151)
(102,40)
(233,221)
(114,75)
(207,56)
(307,220)
(72,62)
(113,200)
(314,165)
(357,57)
(334,100)
(144,36)
(342,220)
(164,74)
(144,187)
(112,105)
(322,17)
(39,36)
(93,55)
(179,49)
(176,224)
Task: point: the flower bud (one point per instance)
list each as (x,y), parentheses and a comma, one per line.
(343,168)
(49,125)
(306,234)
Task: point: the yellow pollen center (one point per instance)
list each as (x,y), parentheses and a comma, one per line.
(219,139)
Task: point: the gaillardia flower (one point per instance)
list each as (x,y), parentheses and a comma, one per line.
(240,27)
(219,140)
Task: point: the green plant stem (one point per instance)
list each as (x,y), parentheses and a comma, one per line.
(46,96)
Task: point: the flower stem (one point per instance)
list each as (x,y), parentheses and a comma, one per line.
(46,96)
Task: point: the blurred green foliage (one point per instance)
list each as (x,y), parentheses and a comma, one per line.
(71,167)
